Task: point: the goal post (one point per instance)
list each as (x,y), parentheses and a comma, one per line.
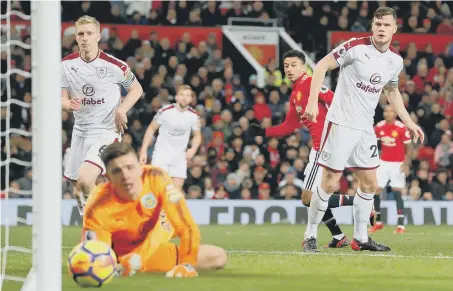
(46,272)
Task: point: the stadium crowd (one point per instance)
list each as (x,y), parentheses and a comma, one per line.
(230,164)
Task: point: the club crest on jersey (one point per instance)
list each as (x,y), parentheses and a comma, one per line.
(391,64)
(299,96)
(101,72)
(394,133)
(149,201)
(325,156)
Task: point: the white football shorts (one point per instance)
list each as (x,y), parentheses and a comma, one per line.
(88,150)
(343,147)
(175,166)
(390,172)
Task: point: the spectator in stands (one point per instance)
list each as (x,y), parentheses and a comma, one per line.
(444,151)
(440,186)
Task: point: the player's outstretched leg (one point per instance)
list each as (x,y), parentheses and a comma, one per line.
(339,240)
(400,211)
(363,204)
(377,207)
(318,206)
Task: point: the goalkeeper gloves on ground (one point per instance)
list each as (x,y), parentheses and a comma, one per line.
(182,271)
(256,130)
(129,265)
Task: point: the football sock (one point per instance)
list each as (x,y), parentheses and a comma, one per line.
(377,207)
(363,203)
(80,203)
(399,208)
(316,211)
(340,200)
(332,225)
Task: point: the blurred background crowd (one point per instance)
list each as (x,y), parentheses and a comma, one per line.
(230,164)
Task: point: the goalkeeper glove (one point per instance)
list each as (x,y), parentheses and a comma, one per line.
(256,130)
(129,265)
(182,271)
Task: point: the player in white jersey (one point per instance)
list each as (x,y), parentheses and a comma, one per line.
(175,123)
(368,66)
(91,81)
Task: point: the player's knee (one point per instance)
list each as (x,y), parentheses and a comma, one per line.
(368,186)
(85,184)
(330,180)
(306,197)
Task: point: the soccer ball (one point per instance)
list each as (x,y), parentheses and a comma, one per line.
(92,264)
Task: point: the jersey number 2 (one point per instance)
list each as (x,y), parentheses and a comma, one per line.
(374,149)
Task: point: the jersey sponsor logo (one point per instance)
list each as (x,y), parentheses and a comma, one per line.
(368,88)
(299,96)
(88,90)
(388,141)
(149,201)
(375,79)
(394,133)
(101,72)
(91,101)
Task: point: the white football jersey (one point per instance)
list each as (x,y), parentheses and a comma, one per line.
(98,84)
(175,128)
(363,74)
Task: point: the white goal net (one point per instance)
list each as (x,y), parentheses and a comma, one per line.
(31,160)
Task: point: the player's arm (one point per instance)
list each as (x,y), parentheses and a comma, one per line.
(196,139)
(338,57)
(134,92)
(175,205)
(65,99)
(287,127)
(408,146)
(396,101)
(93,229)
(328,63)
(67,102)
(147,140)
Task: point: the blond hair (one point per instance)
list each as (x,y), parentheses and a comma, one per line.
(184,87)
(88,20)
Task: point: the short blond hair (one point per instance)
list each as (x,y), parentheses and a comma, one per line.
(86,19)
(184,87)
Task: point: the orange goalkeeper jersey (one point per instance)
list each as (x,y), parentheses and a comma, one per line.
(126,224)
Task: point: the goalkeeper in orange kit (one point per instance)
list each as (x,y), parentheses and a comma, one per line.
(138,212)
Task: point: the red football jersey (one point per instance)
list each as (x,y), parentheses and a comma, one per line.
(295,116)
(393,138)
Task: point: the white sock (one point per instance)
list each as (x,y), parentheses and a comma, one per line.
(363,203)
(318,205)
(81,204)
(338,236)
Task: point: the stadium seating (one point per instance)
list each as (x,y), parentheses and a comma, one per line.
(230,164)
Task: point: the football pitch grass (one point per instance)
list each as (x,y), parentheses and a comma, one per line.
(269,257)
